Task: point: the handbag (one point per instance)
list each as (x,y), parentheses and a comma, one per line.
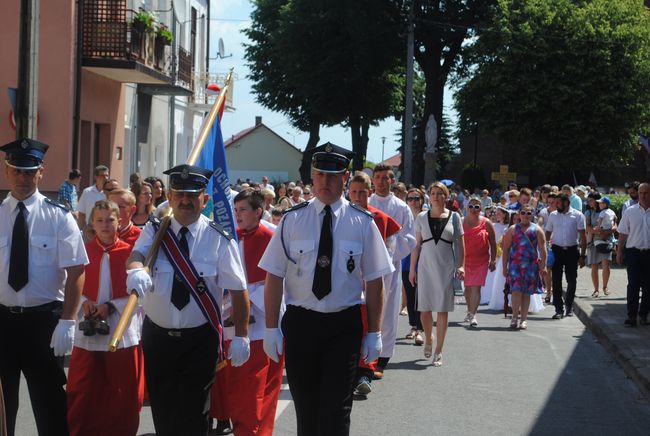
(604,247)
(457,285)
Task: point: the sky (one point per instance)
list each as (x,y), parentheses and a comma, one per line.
(228,19)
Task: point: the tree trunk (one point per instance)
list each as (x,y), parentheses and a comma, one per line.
(355,131)
(305,166)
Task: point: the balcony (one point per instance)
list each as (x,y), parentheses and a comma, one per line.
(202,99)
(115,47)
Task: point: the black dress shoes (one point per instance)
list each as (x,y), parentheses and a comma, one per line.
(630,322)
(643,320)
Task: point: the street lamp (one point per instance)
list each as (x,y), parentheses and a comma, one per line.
(383,141)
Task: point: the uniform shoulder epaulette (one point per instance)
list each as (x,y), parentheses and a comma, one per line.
(54,203)
(154,220)
(296,207)
(226,234)
(362,210)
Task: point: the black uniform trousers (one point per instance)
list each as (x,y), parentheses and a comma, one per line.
(322,353)
(638,279)
(566,260)
(180,367)
(25,347)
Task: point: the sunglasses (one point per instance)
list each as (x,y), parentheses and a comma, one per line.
(526,213)
(474,206)
(413,199)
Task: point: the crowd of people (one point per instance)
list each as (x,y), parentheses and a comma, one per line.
(313,281)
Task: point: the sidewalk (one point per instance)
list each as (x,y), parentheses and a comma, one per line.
(604,316)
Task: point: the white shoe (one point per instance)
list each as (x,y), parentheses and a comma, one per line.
(437,360)
(419,339)
(473,322)
(468,317)
(412,333)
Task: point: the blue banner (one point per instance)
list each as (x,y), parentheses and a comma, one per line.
(213,157)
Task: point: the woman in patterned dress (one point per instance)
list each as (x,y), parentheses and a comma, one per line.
(524,264)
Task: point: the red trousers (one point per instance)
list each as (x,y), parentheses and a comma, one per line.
(372,366)
(248,395)
(105,392)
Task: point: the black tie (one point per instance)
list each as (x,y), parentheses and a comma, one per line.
(180,294)
(323,273)
(19,260)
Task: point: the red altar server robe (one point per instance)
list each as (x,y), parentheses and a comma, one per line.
(130,234)
(248,395)
(105,390)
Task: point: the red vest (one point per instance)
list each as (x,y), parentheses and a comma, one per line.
(118,254)
(387,226)
(254,242)
(130,234)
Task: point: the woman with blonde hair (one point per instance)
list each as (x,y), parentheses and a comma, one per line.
(144,203)
(437,259)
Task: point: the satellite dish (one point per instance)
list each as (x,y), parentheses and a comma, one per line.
(222,50)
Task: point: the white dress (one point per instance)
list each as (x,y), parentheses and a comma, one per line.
(495,281)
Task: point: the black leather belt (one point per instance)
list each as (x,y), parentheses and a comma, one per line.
(570,247)
(47,307)
(179,333)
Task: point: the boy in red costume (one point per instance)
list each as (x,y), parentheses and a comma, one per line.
(105,390)
(125,200)
(248,395)
(359,193)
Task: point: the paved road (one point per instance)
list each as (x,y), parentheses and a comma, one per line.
(554,378)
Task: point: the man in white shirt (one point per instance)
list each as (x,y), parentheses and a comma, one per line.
(392,206)
(565,227)
(265,184)
(91,195)
(320,257)
(41,277)
(180,333)
(634,245)
(633,192)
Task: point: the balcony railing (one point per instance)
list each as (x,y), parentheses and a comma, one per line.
(112,44)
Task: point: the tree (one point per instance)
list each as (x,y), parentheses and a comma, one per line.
(441,28)
(327,62)
(567,80)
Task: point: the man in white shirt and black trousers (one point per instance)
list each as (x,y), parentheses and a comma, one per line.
(634,246)
(564,228)
(322,253)
(180,339)
(42,258)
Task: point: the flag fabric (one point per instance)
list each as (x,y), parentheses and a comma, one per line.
(213,157)
(645,143)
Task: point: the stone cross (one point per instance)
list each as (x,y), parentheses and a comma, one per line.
(503,177)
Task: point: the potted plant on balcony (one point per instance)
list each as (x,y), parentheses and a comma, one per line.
(164,38)
(143,22)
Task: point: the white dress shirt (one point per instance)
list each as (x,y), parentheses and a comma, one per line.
(355,236)
(215,258)
(564,227)
(89,197)
(635,223)
(55,244)
(398,210)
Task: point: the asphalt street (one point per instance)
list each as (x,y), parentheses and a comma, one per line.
(554,378)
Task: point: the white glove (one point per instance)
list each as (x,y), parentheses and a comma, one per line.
(138,280)
(371,347)
(240,350)
(63,337)
(273,343)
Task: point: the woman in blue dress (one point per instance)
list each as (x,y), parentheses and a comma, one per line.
(524,264)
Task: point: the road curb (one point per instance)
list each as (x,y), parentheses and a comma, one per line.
(621,353)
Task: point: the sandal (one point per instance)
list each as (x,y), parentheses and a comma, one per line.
(428,350)
(513,324)
(437,359)
(595,293)
(547,300)
(605,291)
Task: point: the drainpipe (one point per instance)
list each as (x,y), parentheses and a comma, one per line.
(76,117)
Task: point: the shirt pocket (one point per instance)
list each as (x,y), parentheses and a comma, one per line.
(303,252)
(43,250)
(204,269)
(349,253)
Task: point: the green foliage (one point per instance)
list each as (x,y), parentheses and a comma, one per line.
(617,201)
(147,18)
(472,177)
(164,32)
(567,80)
